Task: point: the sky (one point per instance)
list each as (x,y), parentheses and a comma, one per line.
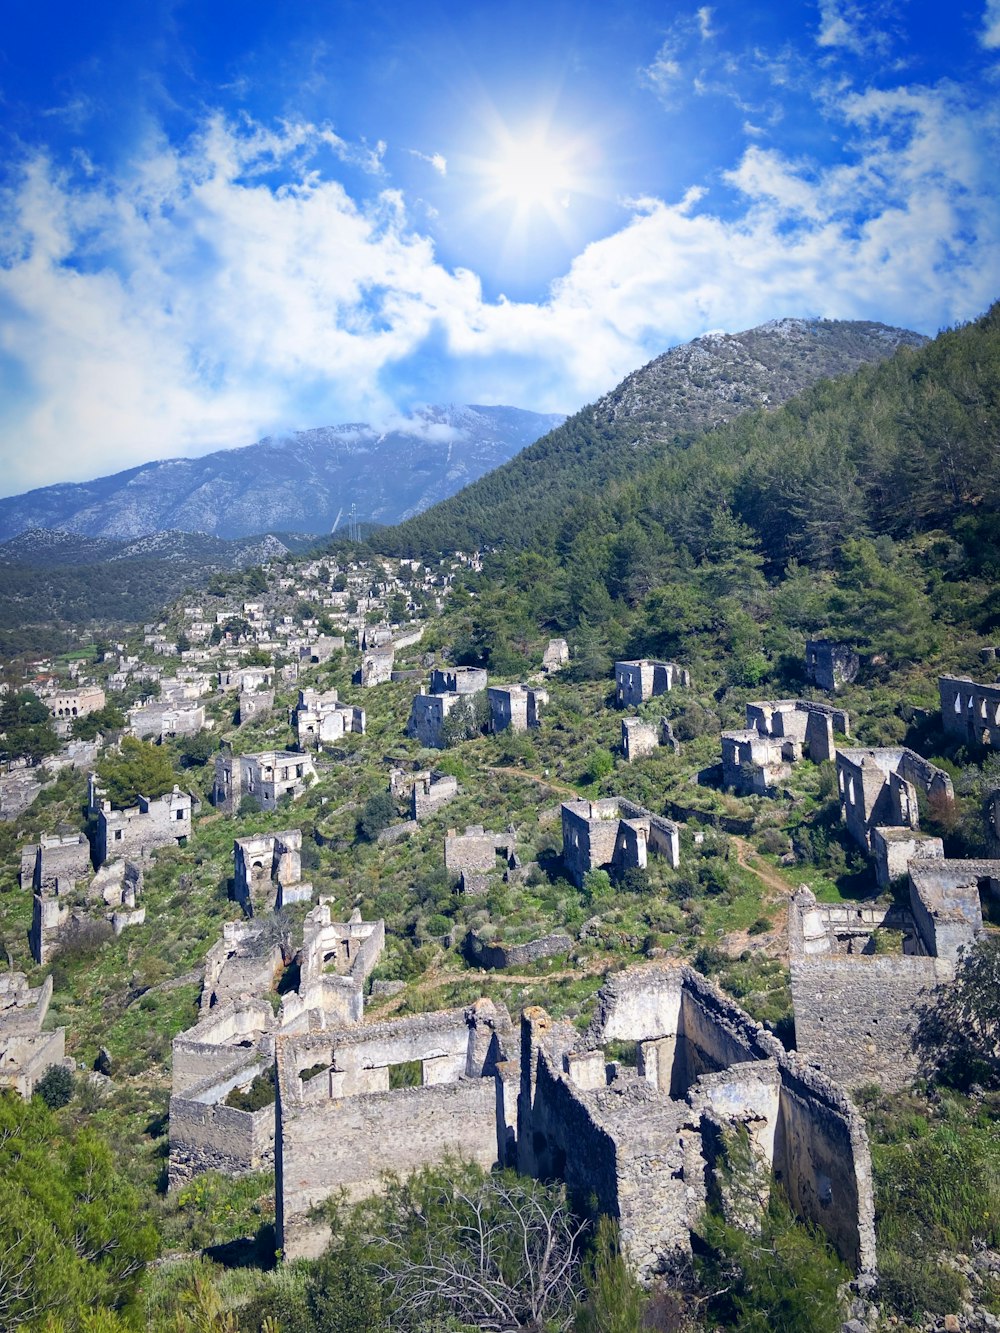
(220,221)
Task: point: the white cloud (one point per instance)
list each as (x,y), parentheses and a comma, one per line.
(853,26)
(704,17)
(436,160)
(990,36)
(192,303)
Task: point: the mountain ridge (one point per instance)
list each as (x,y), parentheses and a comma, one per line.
(303,482)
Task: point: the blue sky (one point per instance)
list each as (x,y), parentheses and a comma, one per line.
(223,220)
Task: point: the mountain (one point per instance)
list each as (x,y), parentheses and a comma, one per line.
(306,482)
(663,406)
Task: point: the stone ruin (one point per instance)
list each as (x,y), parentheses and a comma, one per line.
(878,789)
(376,665)
(643,1144)
(778,734)
(555,657)
(321,719)
(448,687)
(321,649)
(970,711)
(637,681)
(613,834)
(163,719)
(233,1041)
(473,856)
(640,737)
(830,665)
(255,704)
(342,1124)
(266,777)
(515,707)
(132,834)
(26,1052)
(429,792)
(857,1006)
(267,871)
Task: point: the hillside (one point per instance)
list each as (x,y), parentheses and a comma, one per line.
(306,482)
(50,581)
(657,409)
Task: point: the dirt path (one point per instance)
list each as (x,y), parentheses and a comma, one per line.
(750,860)
(538,780)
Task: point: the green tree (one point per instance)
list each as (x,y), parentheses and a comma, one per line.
(138,769)
(378,813)
(959,1030)
(74,1234)
(108,718)
(26,730)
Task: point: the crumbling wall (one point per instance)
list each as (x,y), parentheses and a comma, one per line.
(970,710)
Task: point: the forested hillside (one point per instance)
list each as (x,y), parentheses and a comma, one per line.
(656,411)
(868,506)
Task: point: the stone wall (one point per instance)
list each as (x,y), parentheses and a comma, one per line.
(485,953)
(830,665)
(133,833)
(970,711)
(856,1015)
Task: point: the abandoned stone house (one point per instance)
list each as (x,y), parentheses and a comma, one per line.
(614,835)
(26,1052)
(637,681)
(163,719)
(233,1041)
(474,854)
(320,650)
(458,680)
(267,871)
(778,734)
(556,656)
(59,907)
(133,833)
(265,777)
(515,707)
(970,711)
(857,1008)
(65,705)
(640,737)
(254,704)
(429,792)
(830,665)
(642,1143)
(878,790)
(448,687)
(321,719)
(376,665)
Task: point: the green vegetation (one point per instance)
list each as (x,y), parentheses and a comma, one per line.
(140,768)
(26,730)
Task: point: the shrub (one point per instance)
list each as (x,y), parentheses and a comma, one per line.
(55,1087)
(378,813)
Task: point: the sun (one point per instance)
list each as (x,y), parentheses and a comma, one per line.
(532,173)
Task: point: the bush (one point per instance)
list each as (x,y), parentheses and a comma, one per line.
(55,1087)
(379,812)
(260,1093)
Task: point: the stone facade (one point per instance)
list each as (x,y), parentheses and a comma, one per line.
(266,777)
(878,789)
(255,704)
(321,719)
(376,665)
(429,792)
(515,707)
(778,734)
(335,1128)
(68,704)
(613,834)
(556,656)
(830,665)
(488,953)
(639,680)
(970,711)
(894,849)
(163,719)
(267,871)
(857,1009)
(26,1052)
(133,833)
(458,680)
(476,850)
